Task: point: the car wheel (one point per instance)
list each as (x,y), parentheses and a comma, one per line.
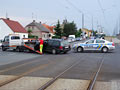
(53,51)
(104,49)
(64,52)
(79,49)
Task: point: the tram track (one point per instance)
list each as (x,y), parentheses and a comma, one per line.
(92,81)
(51,81)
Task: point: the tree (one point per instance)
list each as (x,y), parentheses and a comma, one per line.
(78,33)
(30,34)
(69,29)
(58,30)
(94,33)
(29,31)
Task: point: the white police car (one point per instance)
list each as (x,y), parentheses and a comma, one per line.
(94,44)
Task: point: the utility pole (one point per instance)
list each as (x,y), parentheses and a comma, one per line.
(82,20)
(32,15)
(92,22)
(6,14)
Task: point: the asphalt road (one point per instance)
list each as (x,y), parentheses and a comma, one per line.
(87,64)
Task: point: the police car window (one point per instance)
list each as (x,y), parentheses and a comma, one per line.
(100,41)
(90,41)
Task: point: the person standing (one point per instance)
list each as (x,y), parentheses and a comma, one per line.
(41,45)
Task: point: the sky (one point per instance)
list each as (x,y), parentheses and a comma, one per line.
(105,13)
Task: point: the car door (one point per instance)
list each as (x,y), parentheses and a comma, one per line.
(56,45)
(48,46)
(89,45)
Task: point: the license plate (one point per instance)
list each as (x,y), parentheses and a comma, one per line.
(66,47)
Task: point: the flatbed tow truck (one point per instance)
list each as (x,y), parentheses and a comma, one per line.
(16,43)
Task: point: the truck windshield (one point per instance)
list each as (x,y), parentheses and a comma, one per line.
(6,38)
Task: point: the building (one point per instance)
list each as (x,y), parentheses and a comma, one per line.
(8,26)
(51,29)
(86,31)
(38,30)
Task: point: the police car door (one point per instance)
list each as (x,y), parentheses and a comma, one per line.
(89,45)
(99,44)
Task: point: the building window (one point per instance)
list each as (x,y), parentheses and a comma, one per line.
(32,28)
(23,36)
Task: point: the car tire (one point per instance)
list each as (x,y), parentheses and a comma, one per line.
(79,49)
(104,50)
(54,51)
(64,52)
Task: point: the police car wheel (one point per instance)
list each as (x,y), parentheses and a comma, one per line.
(79,49)
(104,49)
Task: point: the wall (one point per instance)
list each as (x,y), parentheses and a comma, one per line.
(4,30)
(23,35)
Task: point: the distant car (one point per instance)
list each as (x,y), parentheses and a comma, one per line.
(71,39)
(94,45)
(0,43)
(78,39)
(55,46)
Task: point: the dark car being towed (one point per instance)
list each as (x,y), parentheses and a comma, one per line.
(54,46)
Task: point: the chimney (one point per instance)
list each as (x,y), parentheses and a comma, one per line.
(33,20)
(8,18)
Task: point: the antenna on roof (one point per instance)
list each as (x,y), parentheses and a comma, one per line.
(6,14)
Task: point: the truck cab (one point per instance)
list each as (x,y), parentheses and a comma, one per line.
(12,41)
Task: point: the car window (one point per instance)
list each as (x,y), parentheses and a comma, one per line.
(50,42)
(56,43)
(100,41)
(64,43)
(90,41)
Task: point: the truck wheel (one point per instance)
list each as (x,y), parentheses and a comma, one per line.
(104,49)
(18,49)
(79,49)
(3,49)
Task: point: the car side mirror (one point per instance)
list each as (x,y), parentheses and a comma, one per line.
(86,42)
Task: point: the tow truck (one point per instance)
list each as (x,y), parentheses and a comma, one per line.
(16,43)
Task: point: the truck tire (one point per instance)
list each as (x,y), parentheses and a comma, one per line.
(3,48)
(18,49)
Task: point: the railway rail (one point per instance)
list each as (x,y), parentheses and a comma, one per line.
(50,82)
(92,81)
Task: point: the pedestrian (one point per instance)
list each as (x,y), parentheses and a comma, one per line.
(41,46)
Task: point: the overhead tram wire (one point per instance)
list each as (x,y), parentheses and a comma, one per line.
(103,13)
(78,11)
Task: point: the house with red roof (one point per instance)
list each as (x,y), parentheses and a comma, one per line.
(39,30)
(8,26)
(50,28)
